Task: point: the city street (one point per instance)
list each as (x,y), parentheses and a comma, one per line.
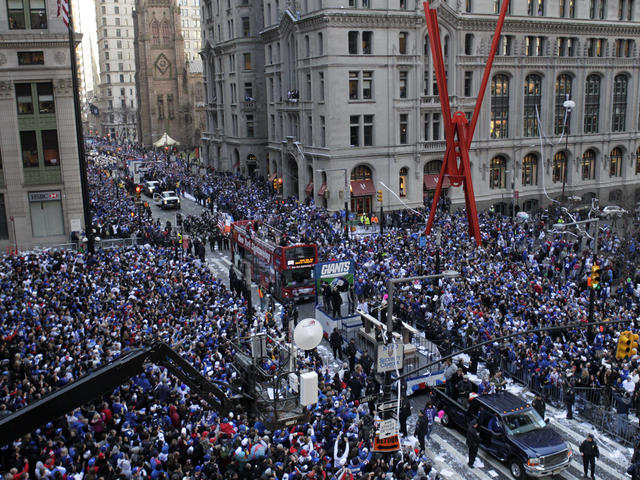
(396,218)
(447,448)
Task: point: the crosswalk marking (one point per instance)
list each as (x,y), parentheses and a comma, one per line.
(600,464)
(459,457)
(494,462)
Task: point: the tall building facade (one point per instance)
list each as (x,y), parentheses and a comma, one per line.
(351,92)
(190,26)
(117,97)
(162,73)
(235,136)
(40,195)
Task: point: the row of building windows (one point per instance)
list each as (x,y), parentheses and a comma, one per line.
(118,33)
(533,46)
(597,9)
(121,79)
(361,87)
(116,22)
(498,170)
(529,173)
(500,85)
(37,124)
(362,43)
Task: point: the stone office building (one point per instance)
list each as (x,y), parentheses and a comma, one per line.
(40,195)
(116,94)
(350,91)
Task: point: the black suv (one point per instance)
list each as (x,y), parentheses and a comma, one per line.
(511,431)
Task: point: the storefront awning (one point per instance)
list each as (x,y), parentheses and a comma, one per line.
(431,181)
(309,189)
(323,189)
(272,177)
(362,188)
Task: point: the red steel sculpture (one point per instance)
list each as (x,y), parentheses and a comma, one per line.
(457,130)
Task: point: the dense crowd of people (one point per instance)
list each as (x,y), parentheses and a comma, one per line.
(66,313)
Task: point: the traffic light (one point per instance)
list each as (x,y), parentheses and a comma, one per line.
(379,196)
(138,190)
(594,280)
(633,343)
(275,184)
(624,345)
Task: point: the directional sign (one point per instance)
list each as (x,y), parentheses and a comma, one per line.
(389,444)
(385,406)
(388,428)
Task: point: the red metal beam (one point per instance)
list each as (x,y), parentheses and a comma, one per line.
(458,132)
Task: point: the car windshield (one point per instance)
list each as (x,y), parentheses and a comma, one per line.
(169,194)
(523,422)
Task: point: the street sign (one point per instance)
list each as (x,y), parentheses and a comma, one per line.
(384,406)
(389,444)
(388,428)
(390,357)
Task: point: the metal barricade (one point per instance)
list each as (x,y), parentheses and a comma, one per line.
(110,243)
(591,403)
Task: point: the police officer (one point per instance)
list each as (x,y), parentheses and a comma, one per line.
(590,452)
(473,441)
(335,340)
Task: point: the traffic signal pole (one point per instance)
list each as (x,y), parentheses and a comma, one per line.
(592,290)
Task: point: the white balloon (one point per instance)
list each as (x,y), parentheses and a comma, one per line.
(308,334)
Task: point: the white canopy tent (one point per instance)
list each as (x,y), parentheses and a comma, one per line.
(165,140)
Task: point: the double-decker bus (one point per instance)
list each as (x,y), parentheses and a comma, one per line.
(284,270)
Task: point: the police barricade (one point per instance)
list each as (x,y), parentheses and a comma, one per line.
(592,403)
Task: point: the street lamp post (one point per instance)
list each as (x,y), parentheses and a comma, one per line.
(346,198)
(390,290)
(569,105)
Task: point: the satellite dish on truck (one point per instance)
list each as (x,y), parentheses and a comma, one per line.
(308,334)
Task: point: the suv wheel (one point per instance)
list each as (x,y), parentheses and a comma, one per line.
(516,469)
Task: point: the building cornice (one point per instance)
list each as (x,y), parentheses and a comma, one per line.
(550,26)
(56,40)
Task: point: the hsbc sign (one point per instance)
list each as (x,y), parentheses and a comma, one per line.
(51,196)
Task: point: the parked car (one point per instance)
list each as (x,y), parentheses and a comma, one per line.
(511,430)
(612,211)
(150,187)
(583,211)
(167,199)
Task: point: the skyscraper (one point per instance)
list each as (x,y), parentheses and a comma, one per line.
(117,90)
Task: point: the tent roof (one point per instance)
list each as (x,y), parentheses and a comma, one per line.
(165,140)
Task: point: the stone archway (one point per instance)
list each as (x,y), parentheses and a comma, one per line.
(291,180)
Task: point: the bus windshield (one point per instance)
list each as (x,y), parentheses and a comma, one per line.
(523,422)
(297,277)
